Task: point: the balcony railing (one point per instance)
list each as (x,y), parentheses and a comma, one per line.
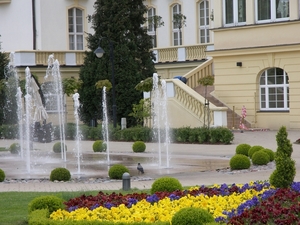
(76,58)
(180,53)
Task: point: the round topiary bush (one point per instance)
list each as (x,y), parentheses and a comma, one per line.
(192,216)
(99,146)
(168,184)
(270,153)
(260,158)
(239,162)
(139,146)
(2,175)
(52,203)
(116,171)
(60,174)
(253,149)
(57,147)
(14,148)
(242,149)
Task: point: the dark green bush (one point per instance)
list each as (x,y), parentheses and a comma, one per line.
(192,216)
(254,149)
(9,131)
(260,158)
(242,149)
(14,148)
(221,135)
(50,202)
(270,153)
(139,146)
(117,171)
(60,174)
(99,146)
(203,135)
(2,175)
(70,131)
(134,134)
(57,147)
(168,184)
(183,134)
(239,162)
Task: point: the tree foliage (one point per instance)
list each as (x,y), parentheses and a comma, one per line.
(118,24)
(4,60)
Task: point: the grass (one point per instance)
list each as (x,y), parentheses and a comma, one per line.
(14,205)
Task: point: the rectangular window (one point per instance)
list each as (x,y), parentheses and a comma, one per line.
(177,37)
(234,12)
(272,10)
(75,19)
(204,21)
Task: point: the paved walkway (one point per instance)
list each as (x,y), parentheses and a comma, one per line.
(184,156)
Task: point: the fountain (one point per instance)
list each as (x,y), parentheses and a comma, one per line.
(160,118)
(105,124)
(53,72)
(78,134)
(15,96)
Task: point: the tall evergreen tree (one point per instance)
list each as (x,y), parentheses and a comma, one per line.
(117,24)
(3,64)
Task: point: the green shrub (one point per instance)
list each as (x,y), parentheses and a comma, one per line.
(168,184)
(260,158)
(253,149)
(139,146)
(192,216)
(14,148)
(58,146)
(50,202)
(203,135)
(284,174)
(2,175)
(134,134)
(99,146)
(270,153)
(60,174)
(220,135)
(239,162)
(116,171)
(242,149)
(182,134)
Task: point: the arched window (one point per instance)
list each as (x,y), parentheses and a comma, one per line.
(274,90)
(177,36)
(204,21)
(75,17)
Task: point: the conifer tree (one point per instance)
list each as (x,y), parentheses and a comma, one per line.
(285,171)
(117,24)
(3,63)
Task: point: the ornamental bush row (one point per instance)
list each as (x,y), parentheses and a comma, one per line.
(182,135)
(245,154)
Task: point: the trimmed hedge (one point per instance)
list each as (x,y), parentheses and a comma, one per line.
(138,146)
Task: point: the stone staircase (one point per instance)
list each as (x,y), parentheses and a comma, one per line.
(233,118)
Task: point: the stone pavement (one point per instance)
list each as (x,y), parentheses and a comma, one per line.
(184,168)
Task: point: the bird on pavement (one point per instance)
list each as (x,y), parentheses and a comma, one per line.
(140,168)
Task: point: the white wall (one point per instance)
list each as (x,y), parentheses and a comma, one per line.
(16,21)
(16,25)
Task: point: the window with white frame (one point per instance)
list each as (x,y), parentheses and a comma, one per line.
(177,35)
(151,27)
(204,21)
(272,10)
(234,12)
(274,90)
(75,17)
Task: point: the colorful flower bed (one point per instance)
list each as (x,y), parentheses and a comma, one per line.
(235,204)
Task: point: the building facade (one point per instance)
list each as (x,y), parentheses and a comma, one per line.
(252,47)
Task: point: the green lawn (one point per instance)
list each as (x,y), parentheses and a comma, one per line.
(14,205)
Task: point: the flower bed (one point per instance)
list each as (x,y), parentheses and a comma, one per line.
(235,204)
